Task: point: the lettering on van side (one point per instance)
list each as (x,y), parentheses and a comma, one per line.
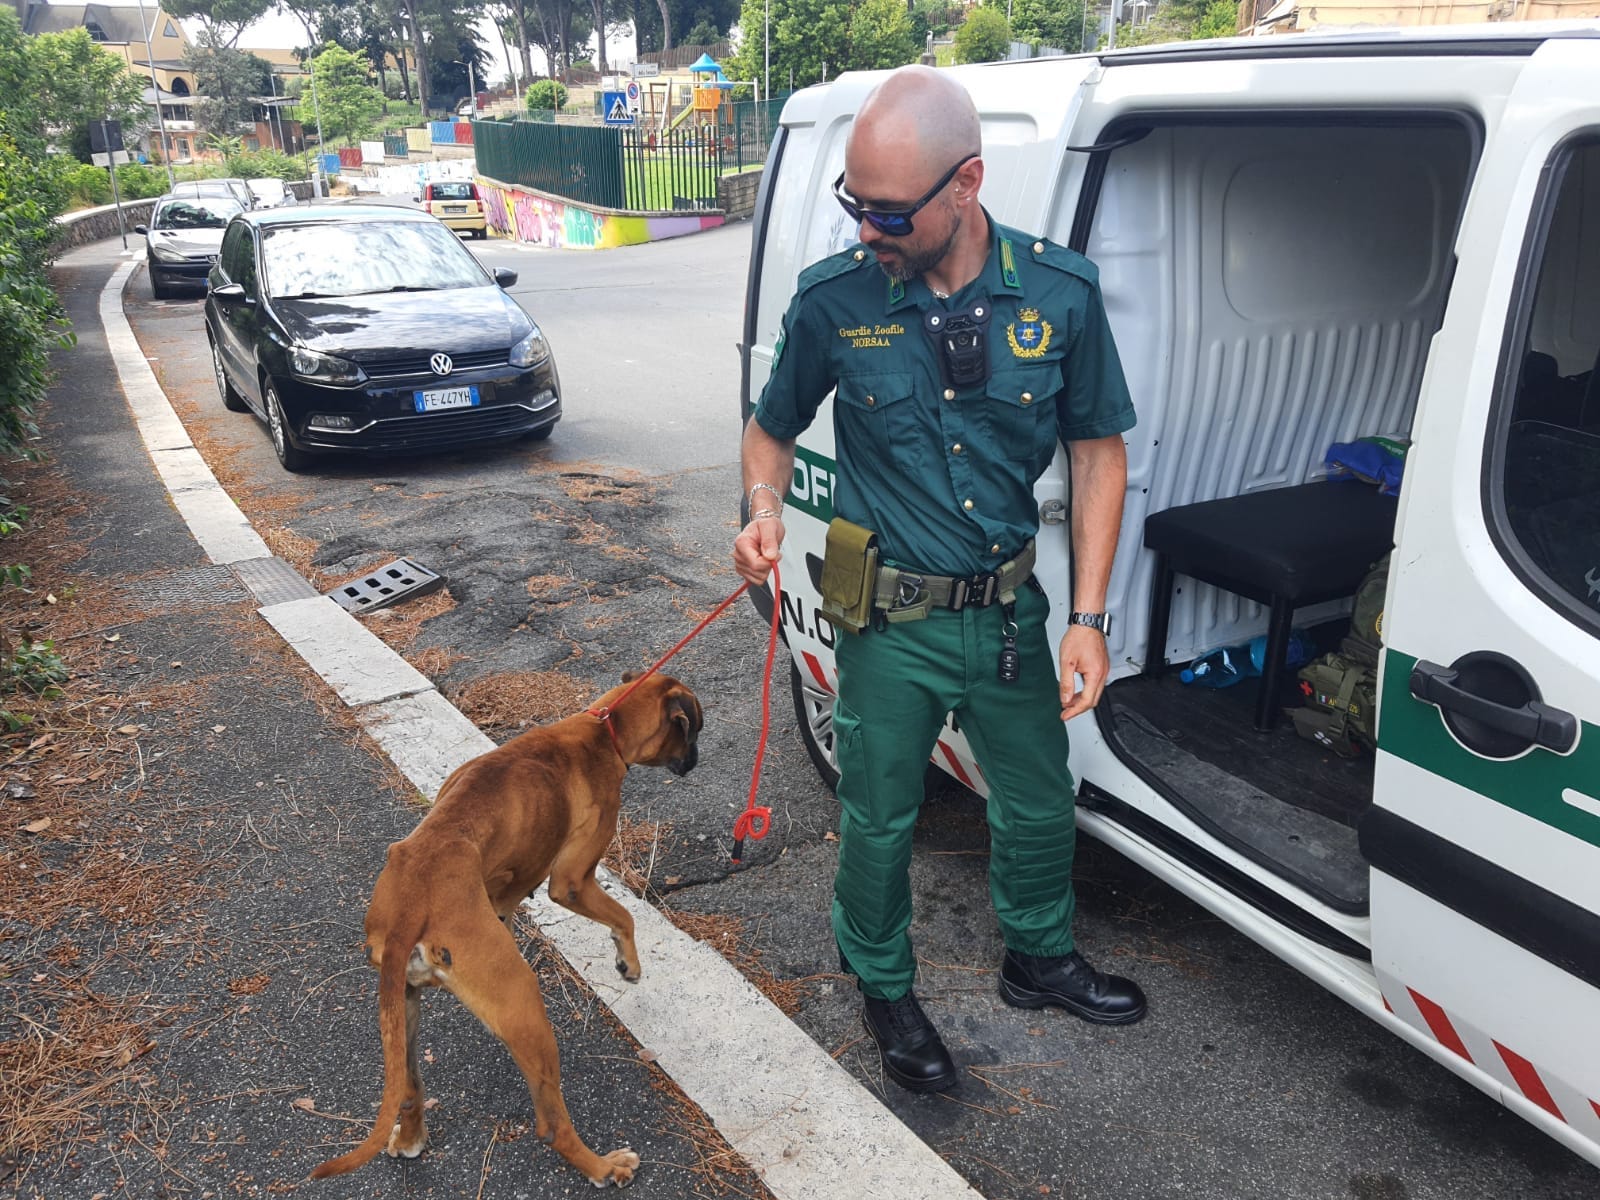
(872,337)
(811,490)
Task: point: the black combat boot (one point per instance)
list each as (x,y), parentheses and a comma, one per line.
(1069,982)
(913,1055)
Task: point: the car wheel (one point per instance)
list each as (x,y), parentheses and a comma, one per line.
(231,399)
(289,457)
(159,290)
(813,709)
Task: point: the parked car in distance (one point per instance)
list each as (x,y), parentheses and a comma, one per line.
(271,193)
(237,188)
(183,239)
(457,203)
(370,328)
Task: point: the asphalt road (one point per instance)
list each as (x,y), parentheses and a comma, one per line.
(588,554)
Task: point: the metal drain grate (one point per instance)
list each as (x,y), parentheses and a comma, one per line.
(400,580)
(196,587)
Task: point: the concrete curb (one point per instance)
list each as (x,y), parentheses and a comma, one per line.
(788,1108)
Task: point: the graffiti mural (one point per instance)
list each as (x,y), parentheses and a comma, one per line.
(542,220)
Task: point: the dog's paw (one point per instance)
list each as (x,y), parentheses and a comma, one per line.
(630,973)
(620,1166)
(406,1149)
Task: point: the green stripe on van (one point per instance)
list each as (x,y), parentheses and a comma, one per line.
(1532,784)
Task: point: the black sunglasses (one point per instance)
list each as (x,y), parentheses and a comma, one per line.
(893,222)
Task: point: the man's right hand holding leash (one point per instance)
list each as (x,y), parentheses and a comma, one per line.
(768,464)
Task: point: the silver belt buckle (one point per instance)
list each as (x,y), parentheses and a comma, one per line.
(908,590)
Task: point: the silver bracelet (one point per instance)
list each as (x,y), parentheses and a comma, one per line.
(765,487)
(765,514)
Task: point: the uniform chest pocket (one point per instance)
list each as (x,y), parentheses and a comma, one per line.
(879,415)
(1019,410)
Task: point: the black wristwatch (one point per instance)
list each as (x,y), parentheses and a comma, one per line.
(1099,620)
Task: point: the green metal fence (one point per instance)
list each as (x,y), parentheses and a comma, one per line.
(627,167)
(579,162)
(752,125)
(670,171)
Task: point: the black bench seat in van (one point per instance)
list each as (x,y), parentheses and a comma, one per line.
(1287,548)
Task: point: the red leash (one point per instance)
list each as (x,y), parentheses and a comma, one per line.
(756,819)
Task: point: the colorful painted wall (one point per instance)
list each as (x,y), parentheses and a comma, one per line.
(545,220)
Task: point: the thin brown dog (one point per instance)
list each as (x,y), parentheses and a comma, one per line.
(544,805)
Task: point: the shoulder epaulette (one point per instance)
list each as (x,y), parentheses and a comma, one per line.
(832,267)
(1062,259)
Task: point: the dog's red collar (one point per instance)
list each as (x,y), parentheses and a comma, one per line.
(603,715)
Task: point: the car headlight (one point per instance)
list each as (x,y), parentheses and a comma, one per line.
(530,350)
(167,253)
(324,368)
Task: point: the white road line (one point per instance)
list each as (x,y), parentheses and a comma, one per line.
(793,1113)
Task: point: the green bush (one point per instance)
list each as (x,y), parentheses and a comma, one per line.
(87,185)
(266,164)
(985,36)
(136,181)
(547,94)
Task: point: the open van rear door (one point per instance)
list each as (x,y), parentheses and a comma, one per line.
(1484,838)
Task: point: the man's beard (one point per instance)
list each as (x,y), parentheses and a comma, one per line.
(914,266)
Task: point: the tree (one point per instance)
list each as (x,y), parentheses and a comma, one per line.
(349,101)
(224,19)
(985,36)
(1058,23)
(810,41)
(1183,21)
(226,79)
(69,82)
(547,95)
(881,36)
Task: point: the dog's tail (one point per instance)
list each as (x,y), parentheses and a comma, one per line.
(392,1027)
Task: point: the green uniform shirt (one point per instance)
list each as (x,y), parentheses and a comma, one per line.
(947,483)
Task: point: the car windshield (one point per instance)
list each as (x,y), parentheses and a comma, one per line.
(452,191)
(359,258)
(205,213)
(268,189)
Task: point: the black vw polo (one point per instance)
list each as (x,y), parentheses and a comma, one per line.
(372,329)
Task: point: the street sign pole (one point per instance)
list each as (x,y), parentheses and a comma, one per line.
(105,147)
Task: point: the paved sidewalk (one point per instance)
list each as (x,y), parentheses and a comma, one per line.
(282,797)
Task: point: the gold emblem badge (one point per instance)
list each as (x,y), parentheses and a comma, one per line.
(1028,334)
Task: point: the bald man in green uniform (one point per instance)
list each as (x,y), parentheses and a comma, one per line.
(960,352)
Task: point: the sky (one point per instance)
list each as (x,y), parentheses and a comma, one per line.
(280,29)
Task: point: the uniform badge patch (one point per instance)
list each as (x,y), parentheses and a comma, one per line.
(1029,335)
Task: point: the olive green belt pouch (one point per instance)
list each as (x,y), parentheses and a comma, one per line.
(849,573)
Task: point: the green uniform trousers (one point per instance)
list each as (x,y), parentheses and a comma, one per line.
(896,686)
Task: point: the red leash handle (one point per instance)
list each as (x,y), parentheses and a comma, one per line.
(756,819)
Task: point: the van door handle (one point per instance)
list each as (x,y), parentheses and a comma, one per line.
(1492,705)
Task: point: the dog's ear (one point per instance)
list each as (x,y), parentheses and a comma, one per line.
(684,710)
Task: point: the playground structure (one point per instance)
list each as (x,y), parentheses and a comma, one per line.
(705,107)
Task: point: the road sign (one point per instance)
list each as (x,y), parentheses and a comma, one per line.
(615,107)
(633,93)
(646,70)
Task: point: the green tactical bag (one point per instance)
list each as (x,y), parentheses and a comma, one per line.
(1364,642)
(1341,704)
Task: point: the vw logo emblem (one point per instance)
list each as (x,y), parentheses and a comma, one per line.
(441,364)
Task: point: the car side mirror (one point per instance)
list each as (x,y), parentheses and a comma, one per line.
(144,229)
(231,292)
(505,276)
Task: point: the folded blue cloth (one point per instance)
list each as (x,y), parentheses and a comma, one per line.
(1375,460)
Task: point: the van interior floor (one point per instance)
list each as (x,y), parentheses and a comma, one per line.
(1285,802)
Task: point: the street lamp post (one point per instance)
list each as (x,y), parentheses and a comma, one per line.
(766,48)
(322,146)
(472,83)
(155,86)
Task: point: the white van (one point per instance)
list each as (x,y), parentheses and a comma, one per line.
(1304,240)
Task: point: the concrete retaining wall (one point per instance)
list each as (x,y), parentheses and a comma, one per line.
(542,219)
(736,194)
